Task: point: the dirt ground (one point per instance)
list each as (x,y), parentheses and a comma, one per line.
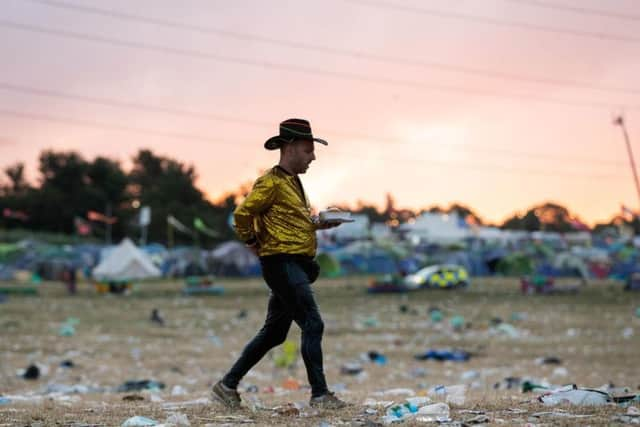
(595,334)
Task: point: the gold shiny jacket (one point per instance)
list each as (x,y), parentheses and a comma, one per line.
(277,213)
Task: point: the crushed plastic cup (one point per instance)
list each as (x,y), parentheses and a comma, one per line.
(437,412)
(453,394)
(139,421)
(178,420)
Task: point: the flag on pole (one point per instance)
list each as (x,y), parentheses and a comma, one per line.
(98,217)
(15,214)
(83,227)
(201,227)
(173,221)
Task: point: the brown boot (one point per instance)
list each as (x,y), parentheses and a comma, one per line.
(227,396)
(327,401)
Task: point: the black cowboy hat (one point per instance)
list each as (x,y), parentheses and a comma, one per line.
(291,130)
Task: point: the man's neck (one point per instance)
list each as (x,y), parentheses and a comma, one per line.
(285,168)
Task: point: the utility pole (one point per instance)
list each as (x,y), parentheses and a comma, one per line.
(619,121)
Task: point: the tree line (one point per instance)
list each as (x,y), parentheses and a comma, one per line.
(69,187)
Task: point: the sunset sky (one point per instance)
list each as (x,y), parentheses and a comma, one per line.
(496,104)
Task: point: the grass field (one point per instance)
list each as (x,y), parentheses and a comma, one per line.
(595,334)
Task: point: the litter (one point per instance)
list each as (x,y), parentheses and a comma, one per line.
(139,421)
(178,420)
(437,412)
(575,396)
(138,385)
(445,355)
(351,369)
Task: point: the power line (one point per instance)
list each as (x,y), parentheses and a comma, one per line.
(199,115)
(298,68)
(326,49)
(183,137)
(492,21)
(580,10)
(104,126)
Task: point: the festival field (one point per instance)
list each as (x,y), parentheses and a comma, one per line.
(594,336)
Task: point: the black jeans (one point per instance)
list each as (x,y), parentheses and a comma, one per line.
(289,277)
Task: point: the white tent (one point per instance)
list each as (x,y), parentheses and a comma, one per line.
(126,262)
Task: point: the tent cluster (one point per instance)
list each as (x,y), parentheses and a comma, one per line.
(356,248)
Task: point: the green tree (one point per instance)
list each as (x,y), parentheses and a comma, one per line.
(168,187)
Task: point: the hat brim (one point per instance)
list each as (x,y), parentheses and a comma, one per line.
(277,141)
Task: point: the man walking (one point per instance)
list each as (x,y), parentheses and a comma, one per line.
(275,222)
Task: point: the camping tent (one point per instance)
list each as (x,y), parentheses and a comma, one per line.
(125,262)
(232,258)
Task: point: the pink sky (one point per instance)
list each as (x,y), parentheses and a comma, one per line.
(428,135)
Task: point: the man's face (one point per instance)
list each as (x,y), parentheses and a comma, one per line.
(301,155)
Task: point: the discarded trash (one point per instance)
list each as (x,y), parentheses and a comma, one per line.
(251,388)
(156,318)
(437,412)
(549,361)
(67,330)
(215,340)
(444,355)
(469,375)
(178,420)
(560,372)
(4,400)
(371,322)
(435,315)
(287,410)
(376,357)
(529,385)
(627,332)
(132,398)
(178,390)
(559,414)
(457,322)
(139,421)
(291,384)
(453,394)
(517,317)
(638,312)
(478,419)
(406,410)
(140,385)
(351,369)
(288,356)
(67,364)
(507,330)
(575,396)
(395,392)
(31,373)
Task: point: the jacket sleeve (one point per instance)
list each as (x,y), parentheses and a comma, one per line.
(257,201)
